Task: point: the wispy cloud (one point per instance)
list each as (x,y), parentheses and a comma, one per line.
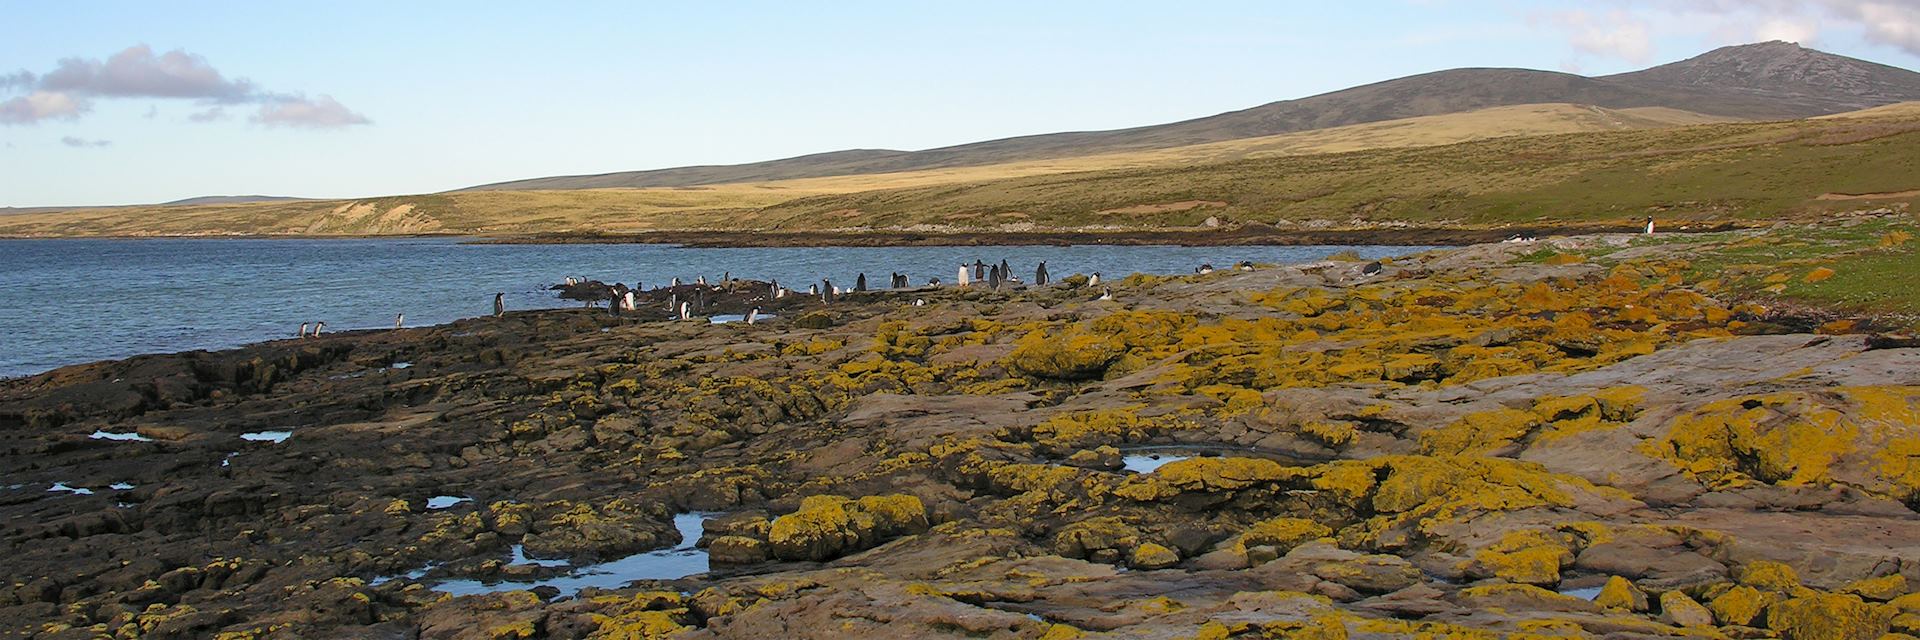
(137,72)
(300,112)
(1620,28)
(84,143)
(42,105)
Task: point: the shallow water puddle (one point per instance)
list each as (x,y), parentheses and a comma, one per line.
(118,437)
(1148,462)
(681,561)
(1586,593)
(443,502)
(120,486)
(402,365)
(78,491)
(275,437)
(735,317)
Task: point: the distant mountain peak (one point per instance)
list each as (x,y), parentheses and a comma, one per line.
(1787,72)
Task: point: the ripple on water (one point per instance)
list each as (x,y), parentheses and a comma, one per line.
(682,560)
(275,437)
(119,437)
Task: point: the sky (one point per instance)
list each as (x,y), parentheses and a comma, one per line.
(139,102)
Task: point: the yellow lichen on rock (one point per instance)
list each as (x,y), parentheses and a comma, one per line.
(1827,616)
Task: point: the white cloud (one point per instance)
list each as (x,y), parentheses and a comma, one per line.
(301,112)
(84,143)
(135,72)
(42,105)
(1613,34)
(67,91)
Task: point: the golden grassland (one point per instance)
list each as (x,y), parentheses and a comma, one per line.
(1523,164)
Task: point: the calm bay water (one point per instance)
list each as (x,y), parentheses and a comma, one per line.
(70,301)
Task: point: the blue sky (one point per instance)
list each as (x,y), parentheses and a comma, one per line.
(349,99)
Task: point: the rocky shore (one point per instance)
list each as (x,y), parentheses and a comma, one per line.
(1473,443)
(1237,235)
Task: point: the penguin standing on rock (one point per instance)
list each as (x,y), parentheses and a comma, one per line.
(979,269)
(1040,274)
(860,283)
(753,314)
(826,290)
(965,277)
(317,326)
(499,304)
(399,320)
(303,329)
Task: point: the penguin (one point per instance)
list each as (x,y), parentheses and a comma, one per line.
(774,289)
(1106,294)
(613,303)
(399,320)
(676,282)
(303,329)
(965,277)
(979,269)
(726,277)
(1004,269)
(1094,280)
(860,283)
(685,313)
(919,302)
(317,326)
(933,282)
(1649,225)
(827,291)
(499,304)
(571,281)
(1372,268)
(626,303)
(753,314)
(1245,265)
(1204,269)
(994,277)
(813,290)
(1040,274)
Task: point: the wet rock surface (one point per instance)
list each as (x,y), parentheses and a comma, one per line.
(1437,449)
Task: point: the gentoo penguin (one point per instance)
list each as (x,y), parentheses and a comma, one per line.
(827,291)
(1106,293)
(919,302)
(933,282)
(1040,274)
(813,289)
(571,281)
(1094,280)
(979,269)
(773,289)
(399,320)
(626,303)
(499,304)
(676,282)
(685,312)
(1246,265)
(1649,225)
(994,278)
(860,283)
(1004,269)
(965,276)
(1204,269)
(702,281)
(303,329)
(753,314)
(1372,268)
(317,326)
(726,277)
(613,303)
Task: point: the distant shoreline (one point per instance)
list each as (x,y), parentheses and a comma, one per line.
(1238,236)
(1243,236)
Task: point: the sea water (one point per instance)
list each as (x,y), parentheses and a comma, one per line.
(66,302)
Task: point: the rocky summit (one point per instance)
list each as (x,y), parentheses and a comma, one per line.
(1592,436)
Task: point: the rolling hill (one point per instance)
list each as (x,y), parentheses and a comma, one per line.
(1765,81)
(1578,164)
